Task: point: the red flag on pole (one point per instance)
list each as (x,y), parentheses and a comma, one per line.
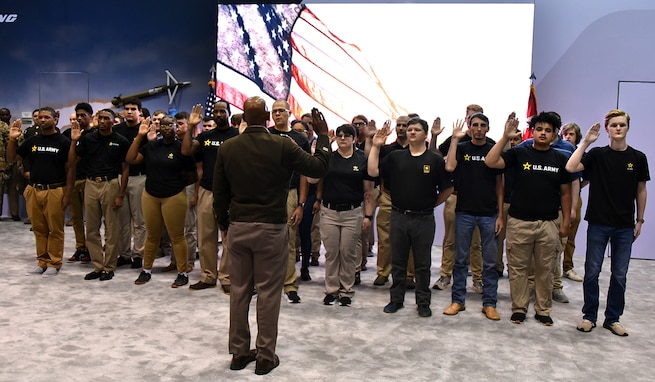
(532,111)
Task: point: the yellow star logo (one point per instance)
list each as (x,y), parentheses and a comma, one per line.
(33,148)
(111,143)
(208,142)
(527,166)
(355,168)
(467,157)
(170,156)
(630,165)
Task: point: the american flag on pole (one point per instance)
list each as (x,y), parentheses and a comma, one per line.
(532,111)
(288,53)
(211,96)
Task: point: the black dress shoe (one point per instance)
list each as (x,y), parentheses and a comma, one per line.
(107,276)
(265,366)
(304,274)
(93,275)
(345,301)
(358,278)
(123,261)
(392,307)
(201,285)
(239,363)
(137,263)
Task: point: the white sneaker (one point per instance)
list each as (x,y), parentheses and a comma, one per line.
(571,275)
(51,272)
(35,271)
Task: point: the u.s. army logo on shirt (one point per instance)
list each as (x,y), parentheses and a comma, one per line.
(170,156)
(467,157)
(631,167)
(356,168)
(426,168)
(527,166)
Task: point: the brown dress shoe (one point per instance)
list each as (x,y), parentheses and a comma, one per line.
(491,313)
(453,309)
(169,268)
(226,289)
(239,363)
(265,366)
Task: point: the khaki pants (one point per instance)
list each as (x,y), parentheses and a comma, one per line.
(290,283)
(448,246)
(190,229)
(340,231)
(132,222)
(171,211)
(501,239)
(208,242)
(569,248)
(531,242)
(77,213)
(98,203)
(45,210)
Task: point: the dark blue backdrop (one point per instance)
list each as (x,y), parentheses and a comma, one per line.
(123,46)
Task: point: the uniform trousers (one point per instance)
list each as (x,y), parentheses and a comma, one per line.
(416,232)
(316,237)
(290,280)
(99,203)
(170,211)
(448,246)
(501,240)
(77,213)
(132,219)
(340,231)
(259,253)
(531,242)
(47,215)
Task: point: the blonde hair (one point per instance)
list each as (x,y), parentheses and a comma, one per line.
(616,113)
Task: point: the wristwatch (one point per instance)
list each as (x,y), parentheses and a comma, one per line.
(641,221)
(302,205)
(369,217)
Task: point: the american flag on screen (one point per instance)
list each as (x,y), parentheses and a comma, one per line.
(290,54)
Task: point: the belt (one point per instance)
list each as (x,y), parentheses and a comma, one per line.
(99,179)
(41,187)
(427,212)
(341,207)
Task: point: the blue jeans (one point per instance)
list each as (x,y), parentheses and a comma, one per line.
(464,225)
(621,248)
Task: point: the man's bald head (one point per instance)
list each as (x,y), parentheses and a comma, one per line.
(255,111)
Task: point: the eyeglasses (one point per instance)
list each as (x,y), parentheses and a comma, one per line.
(344,136)
(359,124)
(275,111)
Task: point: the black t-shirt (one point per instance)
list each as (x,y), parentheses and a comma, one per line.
(48,155)
(444,147)
(475,183)
(344,181)
(536,193)
(166,168)
(80,167)
(130,133)
(301,141)
(209,143)
(415,181)
(103,155)
(613,177)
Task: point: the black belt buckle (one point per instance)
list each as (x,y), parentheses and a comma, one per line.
(43,187)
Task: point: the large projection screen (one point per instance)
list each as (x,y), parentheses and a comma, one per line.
(432,59)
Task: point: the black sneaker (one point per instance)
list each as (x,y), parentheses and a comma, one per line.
(424,311)
(137,263)
(517,318)
(106,276)
(546,320)
(392,307)
(293,297)
(123,261)
(345,301)
(93,275)
(329,299)
(143,278)
(181,280)
(358,278)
